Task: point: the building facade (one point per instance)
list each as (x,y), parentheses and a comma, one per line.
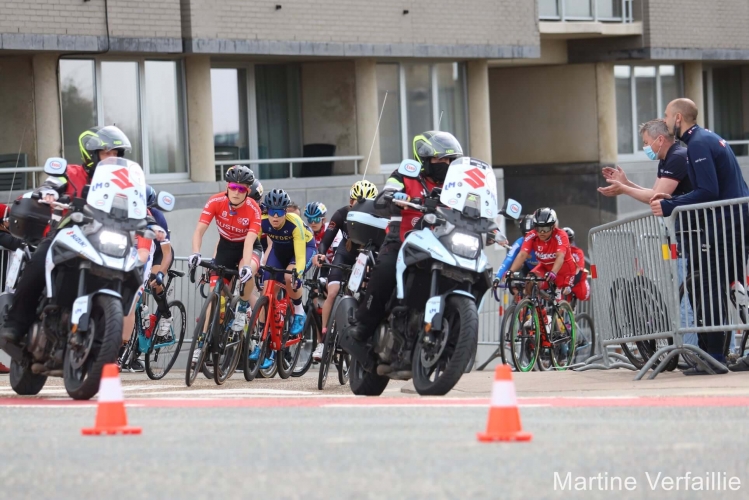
(549,91)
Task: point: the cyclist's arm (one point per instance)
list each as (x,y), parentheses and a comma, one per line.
(336,222)
(168,256)
(197,236)
(509,259)
(267,252)
(249,245)
(559,262)
(254,231)
(300,247)
(519,261)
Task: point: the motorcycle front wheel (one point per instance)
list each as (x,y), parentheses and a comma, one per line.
(83,364)
(437,368)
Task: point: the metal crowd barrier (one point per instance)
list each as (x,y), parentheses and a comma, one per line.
(636,290)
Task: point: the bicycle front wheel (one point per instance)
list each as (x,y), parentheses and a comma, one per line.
(288,356)
(525,336)
(505,345)
(327,356)
(165,351)
(200,342)
(255,346)
(562,337)
(308,344)
(230,350)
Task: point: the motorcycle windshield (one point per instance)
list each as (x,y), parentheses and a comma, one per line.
(118,188)
(470,188)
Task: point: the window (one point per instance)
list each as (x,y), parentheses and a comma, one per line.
(642,93)
(229,103)
(725,88)
(143,98)
(585,10)
(420,97)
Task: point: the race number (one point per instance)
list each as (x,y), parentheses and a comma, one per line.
(357,273)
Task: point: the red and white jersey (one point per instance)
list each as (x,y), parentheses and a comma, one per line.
(578,256)
(546,251)
(233,224)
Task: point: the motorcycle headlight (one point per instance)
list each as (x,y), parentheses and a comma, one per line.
(113,243)
(465,245)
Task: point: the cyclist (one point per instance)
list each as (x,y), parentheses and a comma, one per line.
(555,262)
(95,144)
(526,225)
(345,254)
(290,246)
(162,261)
(293,208)
(434,151)
(238,221)
(577,253)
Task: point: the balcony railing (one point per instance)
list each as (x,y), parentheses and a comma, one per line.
(609,11)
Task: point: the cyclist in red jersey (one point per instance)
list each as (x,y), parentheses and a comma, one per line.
(583,291)
(237,218)
(552,248)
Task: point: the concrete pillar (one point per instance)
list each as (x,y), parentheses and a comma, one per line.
(200,118)
(47,119)
(693,89)
(606,113)
(367,114)
(479,122)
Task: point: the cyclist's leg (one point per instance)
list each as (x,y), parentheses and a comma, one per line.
(296,295)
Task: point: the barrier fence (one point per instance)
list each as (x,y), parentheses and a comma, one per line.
(656,280)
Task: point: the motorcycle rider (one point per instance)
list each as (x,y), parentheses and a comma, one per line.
(96,144)
(434,151)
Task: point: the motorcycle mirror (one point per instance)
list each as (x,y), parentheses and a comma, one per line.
(55,166)
(511,209)
(77,217)
(409,168)
(165,201)
(430,219)
(436,192)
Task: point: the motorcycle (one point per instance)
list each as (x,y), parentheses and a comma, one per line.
(431,331)
(93,277)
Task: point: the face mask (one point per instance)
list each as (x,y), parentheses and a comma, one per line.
(653,155)
(438,171)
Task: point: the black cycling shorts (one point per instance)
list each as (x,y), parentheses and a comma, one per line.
(229,253)
(342,257)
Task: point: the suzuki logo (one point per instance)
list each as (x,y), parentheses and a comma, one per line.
(122,178)
(475,178)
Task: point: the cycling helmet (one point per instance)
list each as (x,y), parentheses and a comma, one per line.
(150,196)
(363,189)
(256,190)
(315,210)
(240,175)
(544,217)
(98,139)
(526,224)
(570,234)
(277,199)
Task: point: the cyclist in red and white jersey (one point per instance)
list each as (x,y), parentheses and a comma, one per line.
(555,261)
(237,218)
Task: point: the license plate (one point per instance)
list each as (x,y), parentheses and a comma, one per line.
(15,267)
(357,273)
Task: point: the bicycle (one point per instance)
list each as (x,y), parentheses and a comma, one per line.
(271,332)
(161,351)
(332,351)
(224,344)
(312,324)
(557,335)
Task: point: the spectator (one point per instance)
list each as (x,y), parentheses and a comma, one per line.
(715,175)
(672,178)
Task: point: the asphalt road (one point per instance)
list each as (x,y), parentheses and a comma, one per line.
(282,439)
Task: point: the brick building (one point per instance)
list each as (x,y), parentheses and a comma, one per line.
(546,90)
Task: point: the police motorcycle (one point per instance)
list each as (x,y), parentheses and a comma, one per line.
(431,331)
(93,277)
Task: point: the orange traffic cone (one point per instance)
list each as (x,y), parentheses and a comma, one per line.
(110,412)
(504,417)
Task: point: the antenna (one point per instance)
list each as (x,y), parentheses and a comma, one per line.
(377,130)
(440,120)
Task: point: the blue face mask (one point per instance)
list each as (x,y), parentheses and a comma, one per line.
(653,155)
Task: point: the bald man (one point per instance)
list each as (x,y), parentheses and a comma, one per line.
(716,251)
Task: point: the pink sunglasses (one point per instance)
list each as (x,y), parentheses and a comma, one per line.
(238,187)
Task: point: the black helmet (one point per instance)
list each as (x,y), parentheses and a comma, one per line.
(526,224)
(150,196)
(277,200)
(98,139)
(240,174)
(544,217)
(570,234)
(256,190)
(434,144)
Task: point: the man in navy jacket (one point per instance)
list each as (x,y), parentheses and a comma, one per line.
(715,176)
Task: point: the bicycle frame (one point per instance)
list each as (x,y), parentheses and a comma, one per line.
(278,308)
(541,300)
(145,341)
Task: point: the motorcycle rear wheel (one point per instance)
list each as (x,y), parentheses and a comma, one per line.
(363,383)
(24,382)
(462,322)
(82,374)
